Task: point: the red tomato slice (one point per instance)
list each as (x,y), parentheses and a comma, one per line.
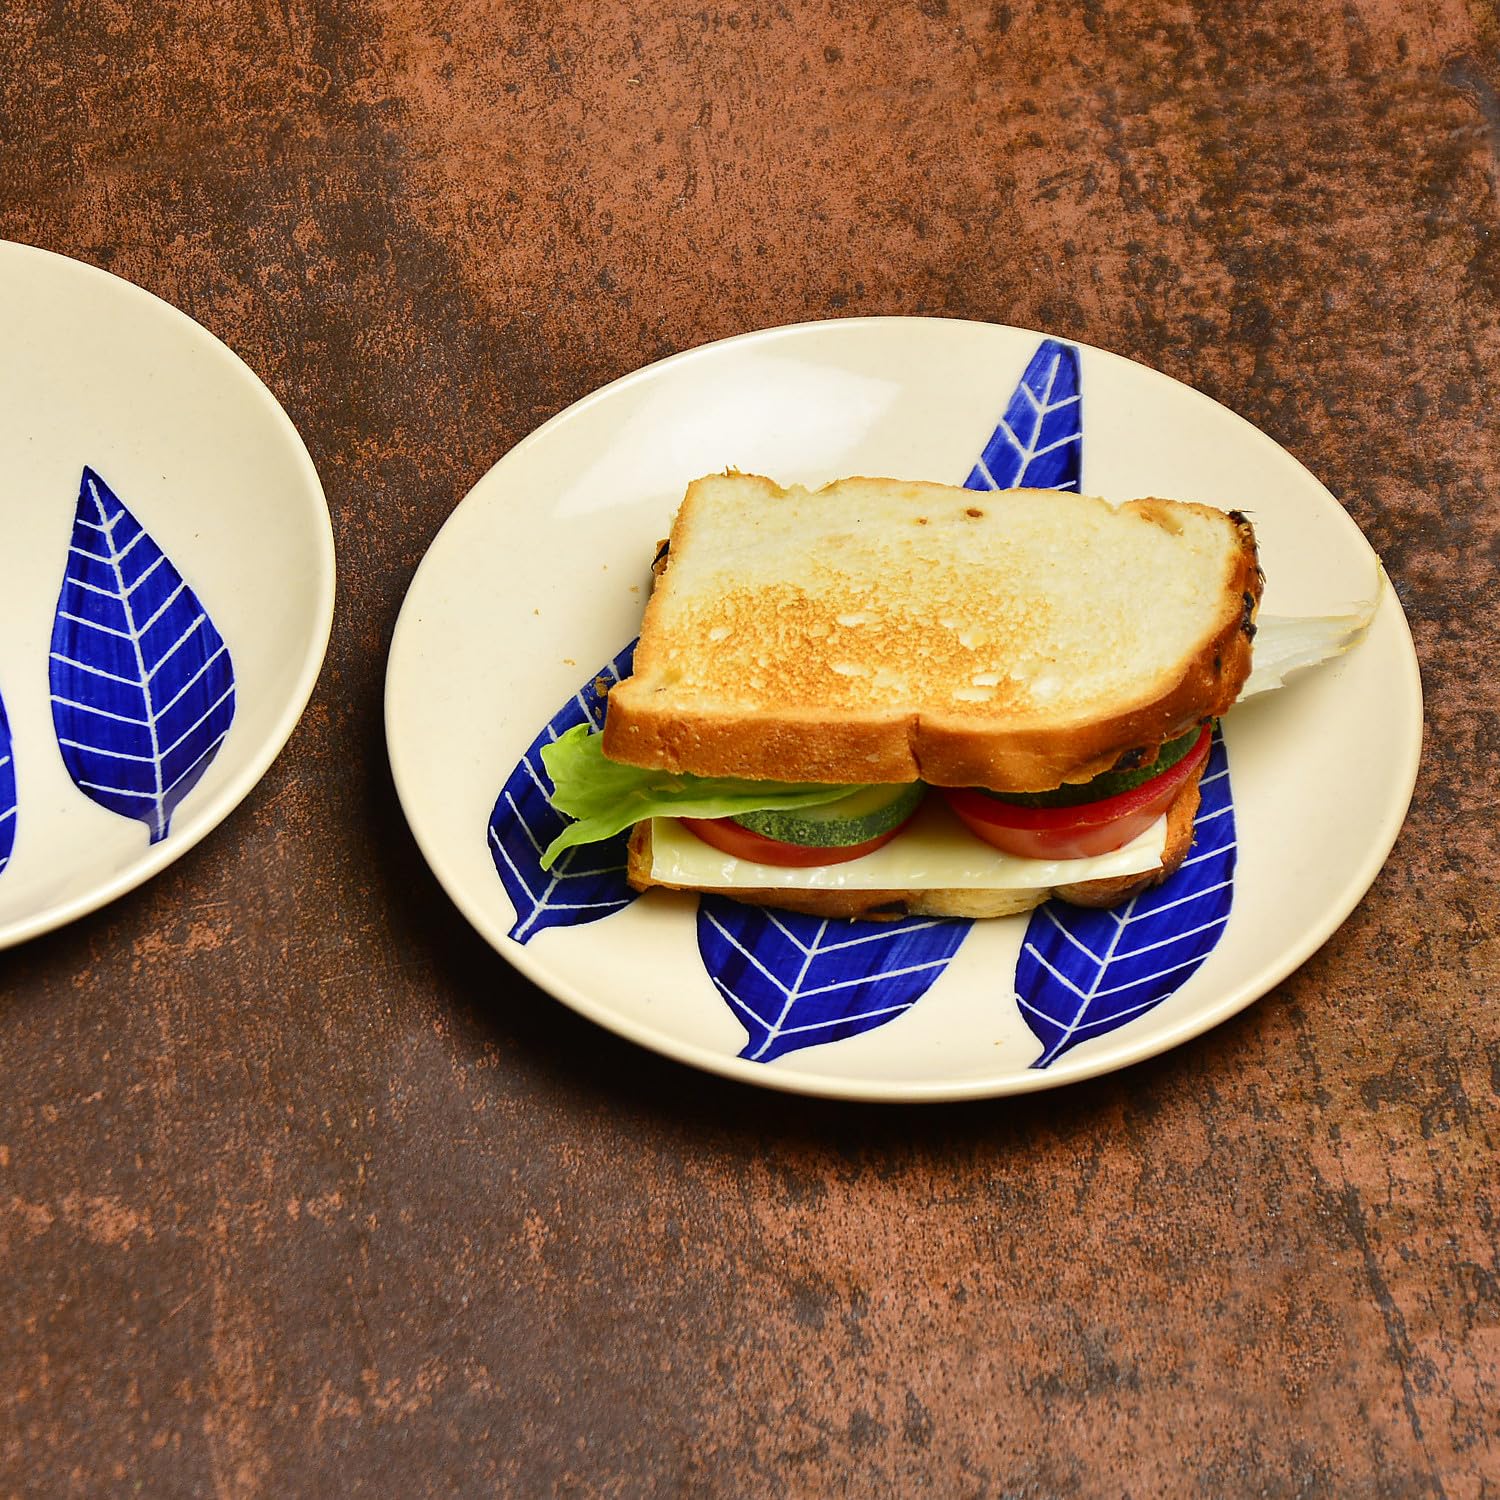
(727,836)
(1075,832)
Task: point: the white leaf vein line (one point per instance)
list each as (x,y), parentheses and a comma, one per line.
(885,935)
(881,975)
(829,1023)
(94,588)
(1198,859)
(792,992)
(1114,989)
(798,989)
(176,646)
(564,864)
(749,956)
(1071,937)
(537,906)
(165,605)
(158,821)
(134,633)
(9,814)
(127,549)
(1176,937)
(1042,408)
(176,744)
(1077,1024)
(526,828)
(106,524)
(83,666)
(563,870)
(1207,890)
(192,681)
(835,1021)
(145,573)
(1118,1017)
(543,902)
(98,625)
(775,921)
(504,854)
(113,556)
(120,791)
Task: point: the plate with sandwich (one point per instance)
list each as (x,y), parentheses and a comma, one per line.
(903,709)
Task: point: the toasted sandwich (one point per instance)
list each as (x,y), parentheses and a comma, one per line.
(884,698)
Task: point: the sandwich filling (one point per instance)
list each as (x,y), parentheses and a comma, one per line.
(933,852)
(751,834)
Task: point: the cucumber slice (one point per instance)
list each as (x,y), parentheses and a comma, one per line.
(855,819)
(1109,783)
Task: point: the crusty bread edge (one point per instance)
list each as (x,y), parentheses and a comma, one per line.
(956,751)
(890,905)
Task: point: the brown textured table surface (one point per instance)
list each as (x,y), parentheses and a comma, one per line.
(303,1191)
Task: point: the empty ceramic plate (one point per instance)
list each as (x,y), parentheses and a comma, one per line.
(166,586)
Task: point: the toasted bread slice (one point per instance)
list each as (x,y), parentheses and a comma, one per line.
(879,905)
(877,630)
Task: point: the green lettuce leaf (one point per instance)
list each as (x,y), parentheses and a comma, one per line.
(1286,644)
(605,797)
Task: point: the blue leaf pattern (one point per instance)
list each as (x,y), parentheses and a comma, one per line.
(587,882)
(796,981)
(1083,973)
(142,683)
(7,792)
(1039,441)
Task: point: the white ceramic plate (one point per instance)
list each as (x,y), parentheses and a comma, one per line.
(538,579)
(166,586)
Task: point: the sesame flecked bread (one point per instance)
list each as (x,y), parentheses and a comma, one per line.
(878,630)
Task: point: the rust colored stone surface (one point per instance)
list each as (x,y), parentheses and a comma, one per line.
(303,1191)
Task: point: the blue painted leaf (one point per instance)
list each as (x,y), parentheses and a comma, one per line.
(142,683)
(1039,442)
(587,882)
(795,981)
(7,792)
(1083,973)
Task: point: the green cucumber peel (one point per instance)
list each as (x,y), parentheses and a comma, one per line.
(855,819)
(605,797)
(1109,783)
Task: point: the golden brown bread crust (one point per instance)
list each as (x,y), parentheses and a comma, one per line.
(902,743)
(891,905)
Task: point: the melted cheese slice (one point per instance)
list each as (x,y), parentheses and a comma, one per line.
(933,852)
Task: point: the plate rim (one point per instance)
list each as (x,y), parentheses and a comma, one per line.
(1069,1070)
(216,810)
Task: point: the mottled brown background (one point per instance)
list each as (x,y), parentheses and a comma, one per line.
(303,1192)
